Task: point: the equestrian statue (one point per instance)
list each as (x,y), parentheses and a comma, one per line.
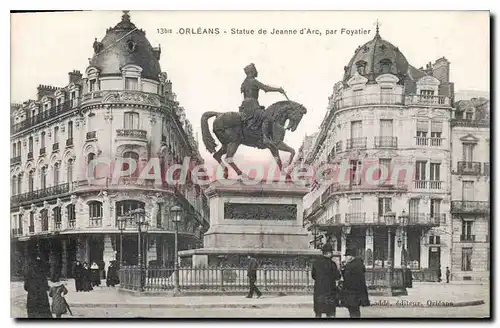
(254,125)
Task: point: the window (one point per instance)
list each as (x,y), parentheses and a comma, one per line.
(413,207)
(42,140)
(385,167)
(73,98)
(92,84)
(69,171)
(467,228)
(14,152)
(43,178)
(427,93)
(386,128)
(56,174)
(468,190)
(356,205)
(435,207)
(31,181)
(469,115)
(90,166)
(19,183)
(436,129)
(420,170)
(361,67)
(131,121)
(32,222)
(131,83)
(435,171)
(384,206)
(19,148)
(468,152)
(130,156)
(385,66)
(434,240)
(356,129)
(13,185)
(56,134)
(30,144)
(422,128)
(70,129)
(45,219)
(355,176)
(95,209)
(387,95)
(467,259)
(125,206)
(57,217)
(357,97)
(71,213)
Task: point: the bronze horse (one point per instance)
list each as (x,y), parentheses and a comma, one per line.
(232,133)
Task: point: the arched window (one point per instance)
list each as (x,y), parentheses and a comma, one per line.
(95,213)
(131,121)
(30,145)
(19,183)
(13,185)
(125,206)
(56,174)
(42,140)
(31,181)
(361,67)
(57,218)
(31,227)
(19,148)
(44,216)
(70,130)
(43,178)
(90,167)
(71,215)
(130,156)
(14,151)
(385,66)
(69,171)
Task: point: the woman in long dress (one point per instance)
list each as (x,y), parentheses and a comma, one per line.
(35,283)
(95,275)
(59,305)
(86,280)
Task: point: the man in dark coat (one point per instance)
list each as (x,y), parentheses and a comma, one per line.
(325,275)
(252,277)
(448,274)
(354,291)
(78,273)
(36,285)
(112,278)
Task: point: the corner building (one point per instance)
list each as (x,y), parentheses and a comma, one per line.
(388,114)
(121,107)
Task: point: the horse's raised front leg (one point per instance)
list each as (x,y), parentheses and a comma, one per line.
(231,150)
(218,157)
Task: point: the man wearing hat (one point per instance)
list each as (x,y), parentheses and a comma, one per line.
(325,275)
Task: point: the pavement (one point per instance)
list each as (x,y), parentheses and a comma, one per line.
(422,295)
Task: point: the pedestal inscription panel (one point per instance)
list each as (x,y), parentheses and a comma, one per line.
(245,211)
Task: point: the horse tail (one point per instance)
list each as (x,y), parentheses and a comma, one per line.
(208,140)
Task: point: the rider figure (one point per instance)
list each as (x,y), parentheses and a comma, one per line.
(250,107)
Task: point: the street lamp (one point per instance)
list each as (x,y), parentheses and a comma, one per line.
(122,222)
(176,211)
(142,225)
(403,219)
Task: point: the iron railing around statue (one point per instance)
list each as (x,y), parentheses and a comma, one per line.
(234,279)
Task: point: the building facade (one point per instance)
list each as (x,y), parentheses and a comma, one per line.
(386,116)
(470,197)
(120,112)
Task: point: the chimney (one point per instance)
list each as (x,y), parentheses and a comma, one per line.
(441,70)
(44,90)
(75,76)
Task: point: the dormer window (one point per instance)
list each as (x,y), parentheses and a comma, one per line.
(361,67)
(385,66)
(92,85)
(469,115)
(131,83)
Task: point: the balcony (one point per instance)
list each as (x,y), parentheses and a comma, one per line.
(467,238)
(95,222)
(425,219)
(355,218)
(425,100)
(57,226)
(132,133)
(55,147)
(15,160)
(356,143)
(386,142)
(91,135)
(429,141)
(42,116)
(428,184)
(17,232)
(486,169)
(69,142)
(71,224)
(40,194)
(31,229)
(470,123)
(369,99)
(469,168)
(43,151)
(380,186)
(334,220)
(470,207)
(388,218)
(338,146)
(125,96)
(30,155)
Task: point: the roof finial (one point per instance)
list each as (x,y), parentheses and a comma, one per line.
(377,25)
(126,16)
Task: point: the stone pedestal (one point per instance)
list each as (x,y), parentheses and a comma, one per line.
(109,253)
(263,219)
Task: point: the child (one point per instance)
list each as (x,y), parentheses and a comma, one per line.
(59,305)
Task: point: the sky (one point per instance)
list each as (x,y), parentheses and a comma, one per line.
(207,70)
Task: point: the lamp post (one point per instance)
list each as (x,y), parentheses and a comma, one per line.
(122,222)
(403,219)
(176,211)
(140,219)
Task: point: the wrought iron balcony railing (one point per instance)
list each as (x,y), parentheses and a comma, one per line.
(57,225)
(71,224)
(470,207)
(469,238)
(386,142)
(132,133)
(470,123)
(427,100)
(15,160)
(428,184)
(42,116)
(17,232)
(429,141)
(425,219)
(486,169)
(95,222)
(369,99)
(356,143)
(469,168)
(355,218)
(39,194)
